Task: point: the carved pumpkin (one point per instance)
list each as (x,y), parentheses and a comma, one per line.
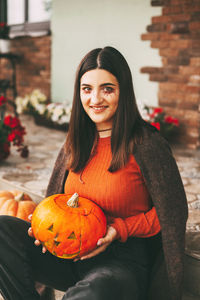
(68,226)
(17,204)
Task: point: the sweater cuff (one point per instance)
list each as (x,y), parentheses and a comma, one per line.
(121,229)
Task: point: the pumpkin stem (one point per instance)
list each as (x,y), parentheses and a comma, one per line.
(73,201)
(19,197)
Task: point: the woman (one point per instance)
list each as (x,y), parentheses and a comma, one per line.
(117,160)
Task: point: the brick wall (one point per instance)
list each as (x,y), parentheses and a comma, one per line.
(33,69)
(176,33)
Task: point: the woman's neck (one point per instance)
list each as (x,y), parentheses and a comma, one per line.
(104,132)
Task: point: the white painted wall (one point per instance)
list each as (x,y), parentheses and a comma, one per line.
(79,26)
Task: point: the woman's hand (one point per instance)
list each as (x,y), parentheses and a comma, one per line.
(37,242)
(102,243)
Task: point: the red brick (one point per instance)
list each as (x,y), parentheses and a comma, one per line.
(193,132)
(169,52)
(177,78)
(180,44)
(194,25)
(180,18)
(151,70)
(179,100)
(168,36)
(196,44)
(170,69)
(170,10)
(160,44)
(153,36)
(171,86)
(35,64)
(195,16)
(178,27)
(161,19)
(195,61)
(194,80)
(159,27)
(179,61)
(194,98)
(158,77)
(158,2)
(188,70)
(171,95)
(181,2)
(188,8)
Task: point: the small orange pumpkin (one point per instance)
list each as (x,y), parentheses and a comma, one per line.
(68,226)
(16,203)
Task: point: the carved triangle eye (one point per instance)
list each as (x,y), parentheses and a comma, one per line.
(50,228)
(56,243)
(72,236)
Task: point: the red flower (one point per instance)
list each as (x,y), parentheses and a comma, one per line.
(12,122)
(176,122)
(156,124)
(158,110)
(11,136)
(2,100)
(171,120)
(2,24)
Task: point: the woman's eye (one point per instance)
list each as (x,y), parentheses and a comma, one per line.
(86,89)
(108,89)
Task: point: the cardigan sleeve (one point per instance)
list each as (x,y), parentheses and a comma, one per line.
(59,173)
(165,186)
(142,225)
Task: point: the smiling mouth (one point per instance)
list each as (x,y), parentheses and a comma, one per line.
(98,108)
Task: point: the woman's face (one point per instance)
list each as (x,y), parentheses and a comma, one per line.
(99,92)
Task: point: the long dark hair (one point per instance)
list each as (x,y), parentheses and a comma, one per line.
(127,121)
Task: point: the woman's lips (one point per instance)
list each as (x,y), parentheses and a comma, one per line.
(98,109)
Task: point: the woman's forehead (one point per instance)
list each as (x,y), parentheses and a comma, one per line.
(98,76)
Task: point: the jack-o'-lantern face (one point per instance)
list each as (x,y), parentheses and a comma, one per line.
(65,231)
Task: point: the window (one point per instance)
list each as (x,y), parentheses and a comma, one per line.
(28,17)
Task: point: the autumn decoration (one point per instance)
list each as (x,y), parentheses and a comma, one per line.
(16,203)
(68,226)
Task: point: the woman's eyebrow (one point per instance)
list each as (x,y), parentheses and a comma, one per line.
(107,83)
(103,84)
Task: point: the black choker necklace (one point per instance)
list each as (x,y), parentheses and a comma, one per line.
(104,130)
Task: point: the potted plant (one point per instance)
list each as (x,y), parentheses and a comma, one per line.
(11,132)
(167,125)
(4,38)
(45,113)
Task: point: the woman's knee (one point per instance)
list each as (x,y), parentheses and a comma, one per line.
(12,227)
(104,284)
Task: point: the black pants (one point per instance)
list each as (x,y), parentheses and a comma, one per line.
(121,272)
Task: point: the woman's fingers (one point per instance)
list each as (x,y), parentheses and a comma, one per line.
(44,249)
(30,217)
(95,252)
(109,237)
(102,243)
(30,232)
(37,242)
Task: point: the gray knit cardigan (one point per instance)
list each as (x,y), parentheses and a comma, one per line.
(164,184)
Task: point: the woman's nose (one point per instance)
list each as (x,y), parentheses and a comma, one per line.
(95,97)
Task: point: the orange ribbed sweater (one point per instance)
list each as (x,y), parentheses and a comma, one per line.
(122,195)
